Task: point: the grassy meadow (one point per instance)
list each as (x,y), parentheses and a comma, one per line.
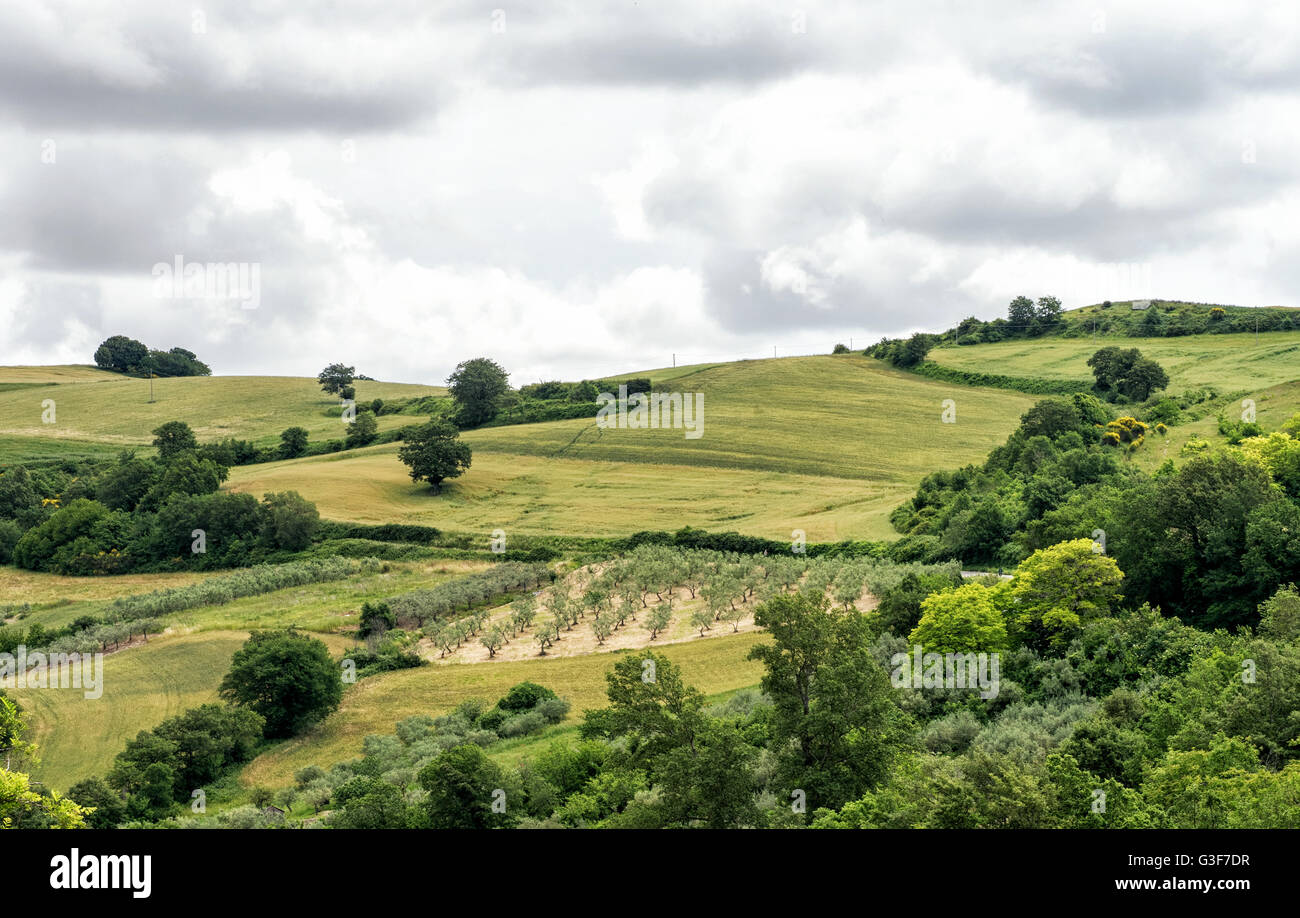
(829,445)
(78,737)
(117,412)
(1228,363)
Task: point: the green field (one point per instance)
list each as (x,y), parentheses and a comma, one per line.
(843,417)
(51,375)
(1228,363)
(117,412)
(1237,367)
(78,737)
(532,495)
(829,445)
(321,607)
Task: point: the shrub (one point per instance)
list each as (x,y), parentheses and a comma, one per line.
(523,724)
(524,697)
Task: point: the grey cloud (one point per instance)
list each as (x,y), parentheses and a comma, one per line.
(740,300)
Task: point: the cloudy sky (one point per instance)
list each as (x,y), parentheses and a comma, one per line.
(579,188)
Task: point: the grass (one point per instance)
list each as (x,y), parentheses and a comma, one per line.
(375,705)
(78,737)
(1229,363)
(1268,372)
(47,450)
(117,412)
(534,495)
(827,445)
(57,600)
(51,375)
(842,417)
(321,607)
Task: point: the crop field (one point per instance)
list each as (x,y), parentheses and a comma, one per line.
(1228,363)
(534,495)
(827,445)
(846,417)
(44,376)
(118,412)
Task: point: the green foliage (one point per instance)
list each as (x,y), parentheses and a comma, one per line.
(121,354)
(335,378)
(363,430)
(289,520)
(293,442)
(434,453)
(1124,371)
(173,438)
(286,677)
(464,791)
(835,725)
(969,618)
(1057,589)
(477,386)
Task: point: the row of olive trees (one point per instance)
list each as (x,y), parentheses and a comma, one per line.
(105,637)
(252,581)
(428,607)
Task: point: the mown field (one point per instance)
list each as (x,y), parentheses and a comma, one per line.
(846,417)
(51,375)
(538,496)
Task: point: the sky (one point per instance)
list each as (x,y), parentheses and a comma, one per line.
(579,189)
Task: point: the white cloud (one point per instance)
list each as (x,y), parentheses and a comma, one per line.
(585,193)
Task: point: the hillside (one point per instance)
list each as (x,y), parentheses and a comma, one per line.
(113,411)
(1228,363)
(825,444)
(828,445)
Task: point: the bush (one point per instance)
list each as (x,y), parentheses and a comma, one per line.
(523,725)
(552,710)
(10,533)
(524,697)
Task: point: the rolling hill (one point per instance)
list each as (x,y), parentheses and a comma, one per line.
(116,412)
(825,444)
